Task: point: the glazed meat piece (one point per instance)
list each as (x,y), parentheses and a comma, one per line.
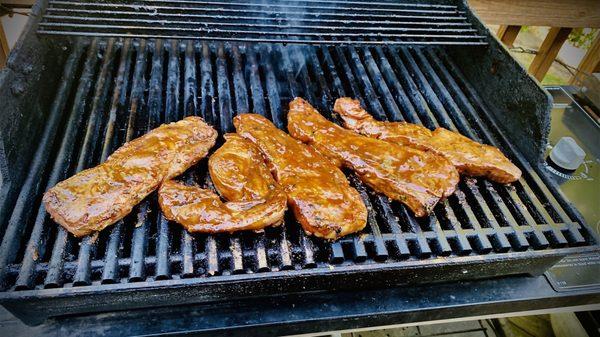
(357,119)
(416,178)
(98,197)
(238,170)
(202,211)
(472,158)
(318,193)
(240,175)
(468,156)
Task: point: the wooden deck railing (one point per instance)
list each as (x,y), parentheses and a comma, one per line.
(561,15)
(3,47)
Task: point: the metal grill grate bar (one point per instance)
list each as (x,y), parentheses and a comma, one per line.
(256,21)
(82,276)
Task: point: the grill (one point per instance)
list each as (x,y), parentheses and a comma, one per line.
(113,89)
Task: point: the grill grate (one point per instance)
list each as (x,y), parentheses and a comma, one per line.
(114,89)
(286,21)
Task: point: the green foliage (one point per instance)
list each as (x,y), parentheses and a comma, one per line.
(582,37)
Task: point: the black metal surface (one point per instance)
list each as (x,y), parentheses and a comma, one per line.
(284,21)
(326,312)
(125,87)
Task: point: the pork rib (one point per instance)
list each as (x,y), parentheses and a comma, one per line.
(416,178)
(237,169)
(100,196)
(318,193)
(468,156)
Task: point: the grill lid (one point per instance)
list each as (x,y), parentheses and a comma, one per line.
(285,21)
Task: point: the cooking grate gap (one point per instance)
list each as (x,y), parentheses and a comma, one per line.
(96,275)
(535,213)
(492,199)
(545,202)
(215,84)
(267,82)
(337,64)
(223,91)
(45,246)
(128,227)
(458,247)
(166,56)
(181,107)
(207,90)
(498,245)
(419,249)
(272,246)
(175,238)
(348,250)
(152,228)
(477,246)
(123,272)
(100,248)
(442,215)
(457,203)
(472,195)
(250,71)
(278,94)
(425,224)
(400,215)
(190,100)
(534,240)
(236,102)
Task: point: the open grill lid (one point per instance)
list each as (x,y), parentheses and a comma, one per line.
(322,22)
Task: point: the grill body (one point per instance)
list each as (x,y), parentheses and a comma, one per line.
(112,84)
